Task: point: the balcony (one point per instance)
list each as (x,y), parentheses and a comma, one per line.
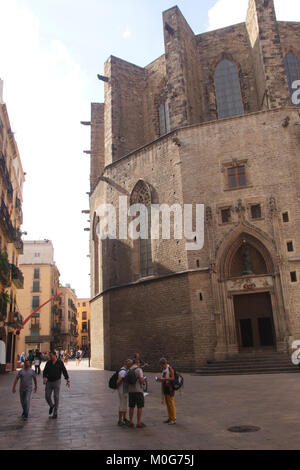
(4,300)
(5,222)
(5,176)
(17,277)
(37,339)
(56,330)
(34,330)
(15,320)
(17,240)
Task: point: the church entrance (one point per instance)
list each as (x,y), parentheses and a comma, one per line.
(254,321)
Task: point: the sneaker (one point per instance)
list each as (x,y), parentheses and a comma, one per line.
(126,422)
(54,416)
(167,421)
(51,410)
(171,422)
(121,423)
(24,418)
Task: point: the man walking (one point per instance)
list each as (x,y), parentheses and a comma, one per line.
(52,378)
(123,392)
(25,375)
(135,380)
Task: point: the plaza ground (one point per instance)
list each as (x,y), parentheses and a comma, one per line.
(206,408)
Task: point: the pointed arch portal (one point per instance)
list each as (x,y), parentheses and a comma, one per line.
(252,311)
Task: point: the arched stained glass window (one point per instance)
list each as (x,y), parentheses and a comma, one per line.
(142,195)
(292,68)
(228,92)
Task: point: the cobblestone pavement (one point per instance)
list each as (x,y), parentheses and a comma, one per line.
(206,408)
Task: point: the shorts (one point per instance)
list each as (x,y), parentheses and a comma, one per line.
(136,398)
(123,399)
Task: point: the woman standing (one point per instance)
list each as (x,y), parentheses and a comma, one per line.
(168,392)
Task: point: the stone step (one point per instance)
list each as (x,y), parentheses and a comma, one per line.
(253,372)
(267,362)
(251,363)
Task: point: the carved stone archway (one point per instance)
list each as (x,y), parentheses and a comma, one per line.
(234,282)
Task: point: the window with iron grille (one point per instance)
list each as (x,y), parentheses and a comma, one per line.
(226,215)
(293,275)
(256,211)
(285,217)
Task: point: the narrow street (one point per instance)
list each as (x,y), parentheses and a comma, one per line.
(206,408)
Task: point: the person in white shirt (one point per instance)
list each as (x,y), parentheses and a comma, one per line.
(123,392)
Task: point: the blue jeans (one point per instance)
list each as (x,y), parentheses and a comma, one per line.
(25,401)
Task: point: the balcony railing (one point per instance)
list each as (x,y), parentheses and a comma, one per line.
(6,177)
(17,276)
(5,222)
(15,320)
(35,330)
(4,299)
(18,242)
(57,330)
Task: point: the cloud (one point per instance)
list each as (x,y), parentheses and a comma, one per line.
(44,89)
(228,12)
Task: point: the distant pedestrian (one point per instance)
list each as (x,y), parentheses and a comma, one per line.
(37,362)
(66,357)
(78,356)
(168,392)
(53,370)
(25,375)
(123,392)
(22,358)
(142,363)
(135,379)
(31,357)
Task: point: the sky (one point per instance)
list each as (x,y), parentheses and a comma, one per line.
(50,54)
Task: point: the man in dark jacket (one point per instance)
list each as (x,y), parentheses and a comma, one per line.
(52,378)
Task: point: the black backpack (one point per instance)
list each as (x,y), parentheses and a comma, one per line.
(113,380)
(178,381)
(131,377)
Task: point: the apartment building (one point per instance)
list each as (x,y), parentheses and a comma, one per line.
(11,246)
(41,283)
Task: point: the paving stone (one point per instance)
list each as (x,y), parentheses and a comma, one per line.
(206,408)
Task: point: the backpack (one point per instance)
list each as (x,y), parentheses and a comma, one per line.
(178,381)
(112,383)
(131,377)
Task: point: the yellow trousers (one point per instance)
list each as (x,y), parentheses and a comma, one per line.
(170,402)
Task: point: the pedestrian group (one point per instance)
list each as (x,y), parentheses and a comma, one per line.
(129,381)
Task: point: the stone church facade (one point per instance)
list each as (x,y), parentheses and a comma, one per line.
(211,122)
